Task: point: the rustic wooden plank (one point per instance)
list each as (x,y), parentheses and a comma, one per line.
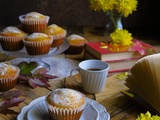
(111,83)
(69,83)
(119,106)
(3,57)
(31,94)
(10,58)
(7,117)
(93,34)
(56,84)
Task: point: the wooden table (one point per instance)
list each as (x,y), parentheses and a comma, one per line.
(118,106)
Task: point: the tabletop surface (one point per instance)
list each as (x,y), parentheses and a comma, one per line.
(117,104)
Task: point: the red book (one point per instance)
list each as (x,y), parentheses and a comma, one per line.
(119,61)
(115,65)
(106,52)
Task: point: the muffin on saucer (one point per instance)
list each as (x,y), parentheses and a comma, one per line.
(11,38)
(38,43)
(76,43)
(65,104)
(8,76)
(58,34)
(34,22)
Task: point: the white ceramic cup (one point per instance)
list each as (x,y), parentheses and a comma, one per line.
(93,75)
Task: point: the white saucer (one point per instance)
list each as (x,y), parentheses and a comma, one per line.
(37,110)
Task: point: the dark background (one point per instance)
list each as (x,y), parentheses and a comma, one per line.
(77,13)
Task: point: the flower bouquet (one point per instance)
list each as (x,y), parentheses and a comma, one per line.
(115,10)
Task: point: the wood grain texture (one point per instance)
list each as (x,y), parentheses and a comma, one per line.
(119,106)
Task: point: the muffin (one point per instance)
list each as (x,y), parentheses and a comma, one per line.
(34,22)
(65,104)
(8,76)
(58,34)
(76,43)
(11,38)
(38,43)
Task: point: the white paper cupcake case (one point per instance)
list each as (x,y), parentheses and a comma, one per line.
(33,21)
(9,83)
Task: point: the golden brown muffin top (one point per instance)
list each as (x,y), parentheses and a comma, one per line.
(12,31)
(65,98)
(33,15)
(75,39)
(34,37)
(7,70)
(54,30)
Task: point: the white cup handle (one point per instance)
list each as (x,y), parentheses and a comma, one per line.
(72,77)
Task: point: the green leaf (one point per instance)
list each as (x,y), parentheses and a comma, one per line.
(26,68)
(38,78)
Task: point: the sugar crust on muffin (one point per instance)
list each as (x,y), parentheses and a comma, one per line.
(34,22)
(54,30)
(38,43)
(34,37)
(12,31)
(66,98)
(58,34)
(33,15)
(7,70)
(75,39)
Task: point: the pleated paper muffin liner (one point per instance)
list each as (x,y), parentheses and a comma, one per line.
(38,48)
(75,49)
(13,43)
(60,113)
(58,39)
(34,25)
(76,44)
(65,114)
(9,83)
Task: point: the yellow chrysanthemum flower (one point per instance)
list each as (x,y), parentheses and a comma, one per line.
(123,7)
(126,7)
(147,116)
(116,9)
(104,5)
(121,37)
